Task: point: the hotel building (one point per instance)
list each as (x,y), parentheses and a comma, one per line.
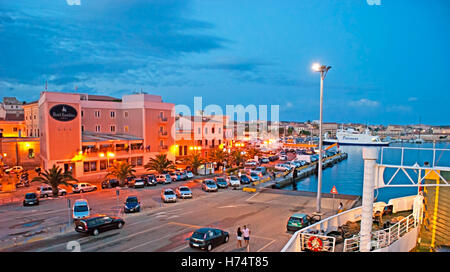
(84,133)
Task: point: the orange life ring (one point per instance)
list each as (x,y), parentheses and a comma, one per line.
(315,244)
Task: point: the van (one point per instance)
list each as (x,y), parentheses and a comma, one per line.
(80,209)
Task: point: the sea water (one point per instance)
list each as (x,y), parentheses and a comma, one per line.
(348,174)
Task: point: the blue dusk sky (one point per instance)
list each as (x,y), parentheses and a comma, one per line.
(389,61)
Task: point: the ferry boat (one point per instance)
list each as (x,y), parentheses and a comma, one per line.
(350,136)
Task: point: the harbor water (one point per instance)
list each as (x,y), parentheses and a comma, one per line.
(347,175)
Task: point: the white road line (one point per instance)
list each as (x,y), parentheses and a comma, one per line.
(149,242)
(248,199)
(123,238)
(180,249)
(268,244)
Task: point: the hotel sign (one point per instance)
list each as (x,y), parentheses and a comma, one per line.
(63,113)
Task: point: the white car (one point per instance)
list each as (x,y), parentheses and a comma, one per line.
(83,187)
(46,191)
(163,178)
(80,209)
(283,158)
(168,195)
(251,163)
(138,183)
(234,181)
(183,192)
(282,167)
(14,170)
(189,174)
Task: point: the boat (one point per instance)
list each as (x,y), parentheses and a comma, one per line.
(350,136)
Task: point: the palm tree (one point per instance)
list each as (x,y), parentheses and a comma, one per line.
(217,156)
(252,152)
(237,157)
(160,163)
(55,177)
(194,160)
(121,170)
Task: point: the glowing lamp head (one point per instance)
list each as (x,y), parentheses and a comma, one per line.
(316,67)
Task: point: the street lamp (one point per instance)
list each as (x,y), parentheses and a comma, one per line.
(323,69)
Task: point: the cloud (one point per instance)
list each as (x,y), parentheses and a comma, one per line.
(364,102)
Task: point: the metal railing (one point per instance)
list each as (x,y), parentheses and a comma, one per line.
(386,237)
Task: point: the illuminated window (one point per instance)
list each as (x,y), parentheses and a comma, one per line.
(126,129)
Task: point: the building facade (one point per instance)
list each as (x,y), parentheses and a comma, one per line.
(86,133)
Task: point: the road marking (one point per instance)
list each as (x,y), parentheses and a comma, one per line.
(248,199)
(259,250)
(151,241)
(180,249)
(123,238)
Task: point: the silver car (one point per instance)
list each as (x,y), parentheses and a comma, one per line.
(183,192)
(168,195)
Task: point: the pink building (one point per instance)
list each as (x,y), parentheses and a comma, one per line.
(83,133)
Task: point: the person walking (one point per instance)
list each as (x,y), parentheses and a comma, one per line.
(239,237)
(246,232)
(340,208)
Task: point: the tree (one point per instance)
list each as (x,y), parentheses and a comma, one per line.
(237,157)
(55,177)
(217,156)
(194,160)
(121,170)
(252,152)
(160,164)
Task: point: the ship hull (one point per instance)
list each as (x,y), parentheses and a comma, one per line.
(330,142)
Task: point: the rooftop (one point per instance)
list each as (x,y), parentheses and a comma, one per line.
(88,136)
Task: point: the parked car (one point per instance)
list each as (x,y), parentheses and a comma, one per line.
(282,167)
(132,204)
(81,209)
(31,199)
(221,182)
(14,170)
(251,163)
(264,160)
(254,176)
(163,178)
(260,171)
(273,158)
(168,195)
(245,179)
(110,183)
(300,220)
(175,176)
(137,183)
(182,175)
(234,181)
(208,185)
(283,158)
(98,223)
(208,238)
(47,191)
(189,174)
(183,192)
(150,180)
(83,187)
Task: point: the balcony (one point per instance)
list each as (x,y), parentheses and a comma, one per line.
(163,134)
(162,119)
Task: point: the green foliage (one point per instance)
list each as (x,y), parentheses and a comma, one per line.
(160,164)
(55,177)
(121,170)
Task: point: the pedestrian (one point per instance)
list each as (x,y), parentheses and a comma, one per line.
(273,175)
(246,232)
(239,237)
(340,208)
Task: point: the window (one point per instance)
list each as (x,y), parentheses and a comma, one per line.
(212,130)
(82,128)
(82,113)
(206,130)
(112,114)
(31,153)
(125,114)
(220,130)
(103,165)
(15,129)
(97,128)
(199,132)
(113,128)
(126,128)
(97,114)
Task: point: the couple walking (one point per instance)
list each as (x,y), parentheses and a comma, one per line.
(245,234)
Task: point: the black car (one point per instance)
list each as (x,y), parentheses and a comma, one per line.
(110,183)
(273,158)
(245,179)
(31,199)
(98,223)
(132,204)
(207,238)
(150,180)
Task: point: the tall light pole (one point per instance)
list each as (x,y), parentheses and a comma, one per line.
(323,69)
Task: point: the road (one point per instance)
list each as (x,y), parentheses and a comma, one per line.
(158,227)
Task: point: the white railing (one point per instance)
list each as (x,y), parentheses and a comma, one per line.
(386,237)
